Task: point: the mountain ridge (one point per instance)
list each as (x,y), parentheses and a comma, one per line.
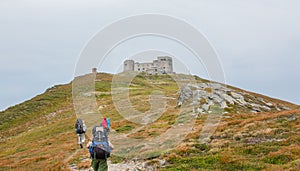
(35,120)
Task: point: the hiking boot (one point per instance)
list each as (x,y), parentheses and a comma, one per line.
(81,146)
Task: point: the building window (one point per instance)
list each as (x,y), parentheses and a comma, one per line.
(139,69)
(143,69)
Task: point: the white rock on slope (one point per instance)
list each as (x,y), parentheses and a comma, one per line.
(215,94)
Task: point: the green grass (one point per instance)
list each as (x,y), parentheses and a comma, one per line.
(205,162)
(125,128)
(257,149)
(278,159)
(103,86)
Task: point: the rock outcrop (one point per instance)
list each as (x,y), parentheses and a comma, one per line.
(206,95)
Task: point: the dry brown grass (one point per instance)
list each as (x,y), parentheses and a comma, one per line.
(84,165)
(44,149)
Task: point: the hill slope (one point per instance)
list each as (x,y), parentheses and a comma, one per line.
(255,132)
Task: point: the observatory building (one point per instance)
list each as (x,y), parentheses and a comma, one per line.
(162,65)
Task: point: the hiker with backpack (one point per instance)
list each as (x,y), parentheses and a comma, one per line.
(80,129)
(100,148)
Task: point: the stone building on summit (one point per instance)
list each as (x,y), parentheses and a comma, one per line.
(162,65)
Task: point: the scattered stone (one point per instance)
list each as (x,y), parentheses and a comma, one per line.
(269,104)
(101,107)
(87,94)
(286,108)
(200,110)
(214,150)
(291,118)
(239,98)
(223,105)
(256,140)
(239,136)
(204,140)
(205,107)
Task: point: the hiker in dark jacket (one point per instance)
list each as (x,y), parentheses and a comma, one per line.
(100,147)
(80,129)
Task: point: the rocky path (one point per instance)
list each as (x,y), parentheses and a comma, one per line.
(128,166)
(111,167)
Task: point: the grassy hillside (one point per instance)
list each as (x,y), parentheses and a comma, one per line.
(264,141)
(39,134)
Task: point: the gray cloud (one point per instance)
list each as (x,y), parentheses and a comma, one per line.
(257,40)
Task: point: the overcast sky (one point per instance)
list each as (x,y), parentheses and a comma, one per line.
(258,41)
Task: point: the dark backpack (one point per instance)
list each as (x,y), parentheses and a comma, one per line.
(79,126)
(100,147)
(97,152)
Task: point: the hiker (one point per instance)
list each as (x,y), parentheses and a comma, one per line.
(100,148)
(80,129)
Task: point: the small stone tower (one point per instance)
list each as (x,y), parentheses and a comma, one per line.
(129,65)
(94,70)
